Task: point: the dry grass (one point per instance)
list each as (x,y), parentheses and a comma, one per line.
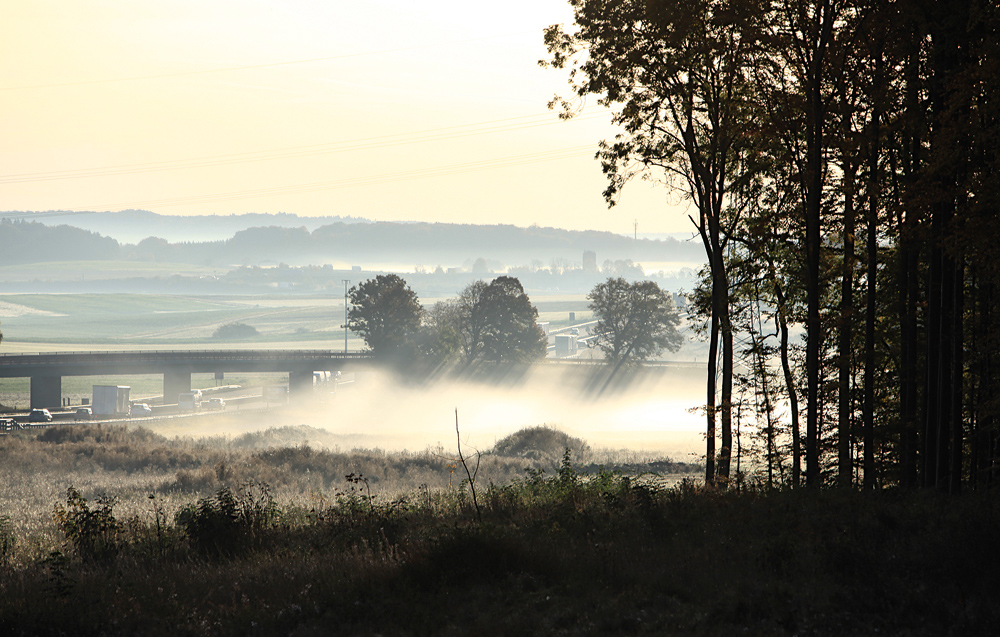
(133,464)
(552,550)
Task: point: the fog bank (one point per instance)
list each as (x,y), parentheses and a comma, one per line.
(649,410)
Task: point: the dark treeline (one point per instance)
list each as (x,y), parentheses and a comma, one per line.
(25,242)
(415,243)
(131,226)
(841,157)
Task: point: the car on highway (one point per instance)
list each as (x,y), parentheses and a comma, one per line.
(216,404)
(140,409)
(84,413)
(9,424)
(40,415)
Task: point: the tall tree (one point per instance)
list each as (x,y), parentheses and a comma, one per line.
(512,334)
(675,74)
(795,83)
(386,313)
(635,321)
(496,322)
(472,320)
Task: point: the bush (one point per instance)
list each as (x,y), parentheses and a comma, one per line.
(230,523)
(93,532)
(235,330)
(543,443)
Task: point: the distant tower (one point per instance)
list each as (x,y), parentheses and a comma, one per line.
(589,261)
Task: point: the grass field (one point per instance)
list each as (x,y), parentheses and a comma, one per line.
(70,322)
(83,270)
(133,321)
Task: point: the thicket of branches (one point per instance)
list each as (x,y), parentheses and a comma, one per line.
(839,157)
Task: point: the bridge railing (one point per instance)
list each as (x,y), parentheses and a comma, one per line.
(43,358)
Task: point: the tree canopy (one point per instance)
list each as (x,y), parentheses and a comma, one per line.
(840,155)
(386,313)
(496,322)
(635,321)
(512,333)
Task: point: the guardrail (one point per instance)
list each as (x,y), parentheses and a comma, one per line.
(44,358)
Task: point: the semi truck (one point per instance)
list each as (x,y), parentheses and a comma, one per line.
(189,401)
(111,400)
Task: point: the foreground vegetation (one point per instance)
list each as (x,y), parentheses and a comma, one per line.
(551,551)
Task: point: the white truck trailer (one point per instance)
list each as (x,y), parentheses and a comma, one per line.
(189,401)
(111,400)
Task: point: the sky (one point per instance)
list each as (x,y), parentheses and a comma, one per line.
(385,109)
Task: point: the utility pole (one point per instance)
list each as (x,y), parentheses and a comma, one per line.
(346,282)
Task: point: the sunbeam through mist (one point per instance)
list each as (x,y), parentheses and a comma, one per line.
(650,410)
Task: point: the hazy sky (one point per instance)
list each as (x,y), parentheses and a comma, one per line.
(385,109)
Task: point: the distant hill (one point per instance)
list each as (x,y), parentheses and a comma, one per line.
(32,242)
(367,244)
(132,226)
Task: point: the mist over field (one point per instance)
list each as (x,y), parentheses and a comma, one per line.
(647,413)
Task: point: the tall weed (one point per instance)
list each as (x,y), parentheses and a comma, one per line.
(230,522)
(8,540)
(92,531)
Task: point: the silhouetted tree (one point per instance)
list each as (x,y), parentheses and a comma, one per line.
(677,75)
(512,332)
(498,323)
(440,337)
(386,313)
(635,321)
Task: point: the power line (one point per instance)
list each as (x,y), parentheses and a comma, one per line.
(258,66)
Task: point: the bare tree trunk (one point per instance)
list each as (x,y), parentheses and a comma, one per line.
(713,350)
(813,220)
(958,363)
(725,326)
(871,310)
(793,399)
(844,358)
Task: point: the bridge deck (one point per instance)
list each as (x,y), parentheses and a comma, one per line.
(156,361)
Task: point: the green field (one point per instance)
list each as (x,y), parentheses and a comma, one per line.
(47,322)
(128,321)
(98,270)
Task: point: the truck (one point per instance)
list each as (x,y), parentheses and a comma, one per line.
(322,379)
(565,344)
(189,401)
(111,400)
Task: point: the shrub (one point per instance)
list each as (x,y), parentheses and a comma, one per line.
(235,330)
(93,532)
(230,523)
(543,444)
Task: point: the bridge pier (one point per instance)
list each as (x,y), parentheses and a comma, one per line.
(300,380)
(46,391)
(174,384)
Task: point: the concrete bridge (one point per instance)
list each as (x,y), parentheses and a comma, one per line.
(46,370)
